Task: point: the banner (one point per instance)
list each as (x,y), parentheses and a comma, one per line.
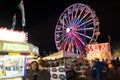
(57,73)
(101,51)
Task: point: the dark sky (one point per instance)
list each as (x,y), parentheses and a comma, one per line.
(41,19)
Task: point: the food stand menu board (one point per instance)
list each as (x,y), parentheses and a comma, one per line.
(12,66)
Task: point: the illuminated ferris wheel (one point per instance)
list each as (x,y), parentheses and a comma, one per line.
(77,26)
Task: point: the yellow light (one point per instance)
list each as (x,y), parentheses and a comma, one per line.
(14,54)
(31,54)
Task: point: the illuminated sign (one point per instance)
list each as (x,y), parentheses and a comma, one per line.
(13,36)
(15,47)
(11,67)
(101,51)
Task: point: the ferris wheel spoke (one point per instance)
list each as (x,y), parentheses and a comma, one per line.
(75,10)
(72,15)
(84,35)
(84,29)
(74,43)
(60,31)
(78,45)
(76,13)
(89,17)
(77,19)
(65,37)
(62,35)
(78,38)
(87,22)
(69,46)
(69,15)
(62,39)
(90,23)
(68,40)
(82,18)
(63,23)
(79,15)
(81,12)
(63,45)
(64,42)
(66,21)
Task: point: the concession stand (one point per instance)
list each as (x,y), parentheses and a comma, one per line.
(60,64)
(14,53)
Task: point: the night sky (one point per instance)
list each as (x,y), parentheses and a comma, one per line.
(42,17)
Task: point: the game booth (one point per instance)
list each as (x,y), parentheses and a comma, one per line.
(15,53)
(61,64)
(98,50)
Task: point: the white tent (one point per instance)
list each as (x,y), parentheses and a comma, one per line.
(60,54)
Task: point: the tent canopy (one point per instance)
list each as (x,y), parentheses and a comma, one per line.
(116,54)
(60,54)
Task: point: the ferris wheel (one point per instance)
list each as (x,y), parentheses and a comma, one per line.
(77,26)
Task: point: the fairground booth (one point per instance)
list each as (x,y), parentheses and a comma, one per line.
(14,54)
(98,50)
(61,65)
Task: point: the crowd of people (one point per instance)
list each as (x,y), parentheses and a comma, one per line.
(95,69)
(99,69)
(104,69)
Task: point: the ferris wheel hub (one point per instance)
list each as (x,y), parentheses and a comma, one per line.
(68,30)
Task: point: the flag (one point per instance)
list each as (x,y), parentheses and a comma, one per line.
(14,21)
(21,7)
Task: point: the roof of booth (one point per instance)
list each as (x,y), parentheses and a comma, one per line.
(60,54)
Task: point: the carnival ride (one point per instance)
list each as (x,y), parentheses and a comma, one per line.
(77,26)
